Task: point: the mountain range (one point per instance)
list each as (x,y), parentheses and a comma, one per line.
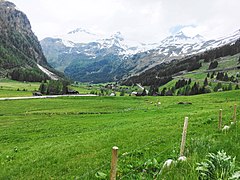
(91,57)
(87,56)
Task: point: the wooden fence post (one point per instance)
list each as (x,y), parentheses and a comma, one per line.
(113,173)
(220,120)
(184,134)
(235,114)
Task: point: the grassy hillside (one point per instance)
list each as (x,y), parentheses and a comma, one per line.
(228,64)
(71,138)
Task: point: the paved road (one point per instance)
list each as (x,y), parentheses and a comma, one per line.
(42,97)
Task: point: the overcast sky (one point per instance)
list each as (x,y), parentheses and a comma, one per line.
(141,20)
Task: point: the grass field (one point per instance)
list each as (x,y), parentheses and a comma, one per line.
(225,62)
(71,138)
(10,88)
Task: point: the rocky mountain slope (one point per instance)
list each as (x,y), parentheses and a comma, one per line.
(20,51)
(177,47)
(163,73)
(89,57)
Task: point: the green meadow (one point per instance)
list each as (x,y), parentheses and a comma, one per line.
(72,137)
(226,64)
(11,88)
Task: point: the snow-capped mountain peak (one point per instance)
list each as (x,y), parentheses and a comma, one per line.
(228,39)
(81,30)
(181,38)
(118,36)
(80,35)
(199,37)
(116,42)
(180,35)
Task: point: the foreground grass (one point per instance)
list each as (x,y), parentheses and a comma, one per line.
(71,138)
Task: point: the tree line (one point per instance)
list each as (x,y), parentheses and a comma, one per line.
(30,75)
(53,87)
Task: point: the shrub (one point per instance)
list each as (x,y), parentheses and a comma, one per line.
(217,166)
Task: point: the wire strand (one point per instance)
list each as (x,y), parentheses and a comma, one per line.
(133,170)
(107,163)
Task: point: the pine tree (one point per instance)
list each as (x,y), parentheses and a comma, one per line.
(54,87)
(144,93)
(212,75)
(189,81)
(220,76)
(179,92)
(122,93)
(169,92)
(153,90)
(232,78)
(225,88)
(237,87)
(194,89)
(65,87)
(187,90)
(230,86)
(217,87)
(173,89)
(205,82)
(163,92)
(225,78)
(213,65)
(202,90)
(42,88)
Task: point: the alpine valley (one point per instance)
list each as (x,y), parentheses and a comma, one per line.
(125,120)
(87,56)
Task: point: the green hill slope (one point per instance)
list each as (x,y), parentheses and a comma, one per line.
(225,75)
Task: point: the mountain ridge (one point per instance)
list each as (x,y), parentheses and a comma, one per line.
(163,73)
(93,59)
(20,50)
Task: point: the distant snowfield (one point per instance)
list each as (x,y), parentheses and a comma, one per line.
(47,72)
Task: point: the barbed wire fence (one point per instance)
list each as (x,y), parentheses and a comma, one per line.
(107,163)
(129,154)
(138,167)
(157,140)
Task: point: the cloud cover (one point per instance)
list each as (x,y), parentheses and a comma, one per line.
(140,20)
